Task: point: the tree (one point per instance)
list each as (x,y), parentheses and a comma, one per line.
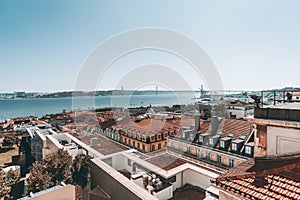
(81,170)
(59,166)
(4,190)
(39,178)
(7,179)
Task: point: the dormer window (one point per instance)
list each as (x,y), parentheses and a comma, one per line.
(159,136)
(138,136)
(153,138)
(234,146)
(222,144)
(165,134)
(191,136)
(247,150)
(143,137)
(211,141)
(200,139)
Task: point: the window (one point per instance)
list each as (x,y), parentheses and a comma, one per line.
(198,153)
(207,155)
(153,138)
(133,143)
(165,135)
(139,146)
(192,136)
(129,162)
(211,141)
(153,147)
(248,150)
(219,159)
(172,144)
(159,146)
(231,162)
(222,144)
(188,149)
(200,139)
(180,146)
(172,132)
(159,136)
(234,146)
(143,147)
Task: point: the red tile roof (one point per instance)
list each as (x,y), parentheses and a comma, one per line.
(236,126)
(263,179)
(147,126)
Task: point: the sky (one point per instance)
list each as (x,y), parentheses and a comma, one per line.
(254,44)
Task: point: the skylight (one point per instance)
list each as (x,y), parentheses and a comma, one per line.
(230,134)
(242,137)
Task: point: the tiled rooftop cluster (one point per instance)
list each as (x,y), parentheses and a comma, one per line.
(224,134)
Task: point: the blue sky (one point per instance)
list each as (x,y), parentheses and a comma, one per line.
(254,44)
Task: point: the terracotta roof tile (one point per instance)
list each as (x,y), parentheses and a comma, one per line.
(281,182)
(147,126)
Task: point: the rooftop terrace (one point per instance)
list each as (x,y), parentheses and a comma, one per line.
(101,144)
(287,112)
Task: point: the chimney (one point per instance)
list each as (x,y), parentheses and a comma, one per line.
(197,123)
(214,122)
